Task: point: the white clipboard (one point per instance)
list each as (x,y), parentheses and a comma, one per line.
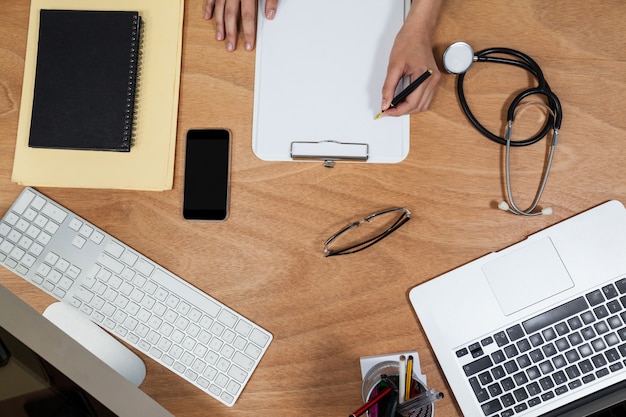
(320,67)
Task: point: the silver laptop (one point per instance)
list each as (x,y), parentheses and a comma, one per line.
(538,328)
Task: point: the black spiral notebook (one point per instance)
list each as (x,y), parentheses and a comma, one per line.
(86,80)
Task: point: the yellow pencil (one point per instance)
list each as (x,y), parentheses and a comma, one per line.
(409,378)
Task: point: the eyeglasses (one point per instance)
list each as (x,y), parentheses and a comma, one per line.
(355,237)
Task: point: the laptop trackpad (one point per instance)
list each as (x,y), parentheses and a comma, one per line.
(526,276)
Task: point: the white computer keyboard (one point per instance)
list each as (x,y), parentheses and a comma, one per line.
(182,328)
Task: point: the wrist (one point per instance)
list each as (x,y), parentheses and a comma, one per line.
(422,17)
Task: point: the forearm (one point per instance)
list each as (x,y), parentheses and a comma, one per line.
(422,17)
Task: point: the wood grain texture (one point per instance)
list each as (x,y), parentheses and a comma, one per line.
(266,261)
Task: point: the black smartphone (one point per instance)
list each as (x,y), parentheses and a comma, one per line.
(207,174)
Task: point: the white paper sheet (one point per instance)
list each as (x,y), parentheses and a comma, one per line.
(320,67)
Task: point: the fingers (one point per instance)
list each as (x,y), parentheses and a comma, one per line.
(208,9)
(215,9)
(231,14)
(418,101)
(248,23)
(270,8)
(226,14)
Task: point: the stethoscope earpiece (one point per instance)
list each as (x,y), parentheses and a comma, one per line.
(458,58)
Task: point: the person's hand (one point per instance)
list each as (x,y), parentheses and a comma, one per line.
(226,14)
(411,56)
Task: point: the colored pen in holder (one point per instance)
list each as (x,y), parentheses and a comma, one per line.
(388,393)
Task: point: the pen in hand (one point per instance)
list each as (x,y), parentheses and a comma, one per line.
(404,93)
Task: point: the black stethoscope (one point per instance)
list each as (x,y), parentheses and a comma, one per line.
(458,58)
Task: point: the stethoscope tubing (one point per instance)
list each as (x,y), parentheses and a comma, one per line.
(524,62)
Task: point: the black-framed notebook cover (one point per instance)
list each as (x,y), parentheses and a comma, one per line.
(86,79)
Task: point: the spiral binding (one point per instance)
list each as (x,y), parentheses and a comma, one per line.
(133,76)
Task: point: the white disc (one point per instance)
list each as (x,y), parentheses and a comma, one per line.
(458,57)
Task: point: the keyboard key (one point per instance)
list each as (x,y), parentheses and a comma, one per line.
(536,355)
(559,377)
(515,332)
(536,339)
(585,350)
(546,383)
(561,390)
(601,312)
(575,339)
(549,334)
(520,379)
(614,306)
(485,378)
(612,355)
(520,394)
(486,341)
(611,339)
(585,366)
(561,344)
(523,361)
(511,366)
(561,328)
(501,339)
(511,351)
(477,366)
(598,361)
(559,361)
(507,400)
(498,372)
(574,323)
(587,317)
(533,373)
(461,352)
(549,350)
(507,384)
(494,389)
(54,212)
(555,315)
(498,356)
(523,345)
(491,407)
(595,298)
(621,285)
(588,333)
(260,338)
(588,378)
(23,201)
(609,291)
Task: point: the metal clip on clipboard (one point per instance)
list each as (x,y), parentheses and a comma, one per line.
(329,151)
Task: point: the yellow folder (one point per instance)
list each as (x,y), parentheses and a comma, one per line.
(150,163)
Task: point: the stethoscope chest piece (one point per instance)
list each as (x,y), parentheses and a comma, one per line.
(458,58)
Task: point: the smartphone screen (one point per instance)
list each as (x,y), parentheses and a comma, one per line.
(207,169)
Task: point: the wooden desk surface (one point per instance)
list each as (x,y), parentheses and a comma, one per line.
(266,261)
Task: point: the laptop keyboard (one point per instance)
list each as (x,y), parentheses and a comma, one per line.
(549,355)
